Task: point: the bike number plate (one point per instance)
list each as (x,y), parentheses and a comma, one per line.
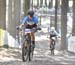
(27,30)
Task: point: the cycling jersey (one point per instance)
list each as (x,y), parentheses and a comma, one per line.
(53,34)
(26,19)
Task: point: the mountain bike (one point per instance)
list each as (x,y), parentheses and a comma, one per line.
(28,47)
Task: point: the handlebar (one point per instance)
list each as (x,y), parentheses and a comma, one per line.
(18,28)
(37,28)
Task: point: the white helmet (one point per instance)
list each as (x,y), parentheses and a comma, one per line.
(52,28)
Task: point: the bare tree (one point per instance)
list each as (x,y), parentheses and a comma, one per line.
(37,3)
(26,6)
(45,2)
(3,14)
(56,7)
(2,19)
(50,3)
(73,30)
(9,22)
(64,8)
(13,16)
(41,3)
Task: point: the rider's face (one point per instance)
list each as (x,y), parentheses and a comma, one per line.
(30,17)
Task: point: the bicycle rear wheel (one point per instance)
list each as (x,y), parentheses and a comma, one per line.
(52,47)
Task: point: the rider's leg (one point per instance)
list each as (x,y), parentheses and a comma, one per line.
(33,39)
(50,43)
(33,35)
(54,44)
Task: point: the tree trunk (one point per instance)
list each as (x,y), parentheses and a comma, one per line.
(10,26)
(37,3)
(50,3)
(17,11)
(11,20)
(41,3)
(45,2)
(3,14)
(31,4)
(56,7)
(26,6)
(64,8)
(13,16)
(73,30)
(2,21)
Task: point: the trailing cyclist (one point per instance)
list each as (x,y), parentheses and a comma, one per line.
(53,35)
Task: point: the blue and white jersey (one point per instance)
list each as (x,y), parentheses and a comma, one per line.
(26,19)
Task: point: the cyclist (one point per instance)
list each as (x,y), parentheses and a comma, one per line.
(30,18)
(53,33)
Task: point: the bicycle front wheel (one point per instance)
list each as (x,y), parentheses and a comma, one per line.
(52,52)
(24,52)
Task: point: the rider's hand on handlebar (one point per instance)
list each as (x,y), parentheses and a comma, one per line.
(17,27)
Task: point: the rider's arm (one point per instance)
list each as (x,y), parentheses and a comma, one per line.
(57,34)
(37,22)
(24,21)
